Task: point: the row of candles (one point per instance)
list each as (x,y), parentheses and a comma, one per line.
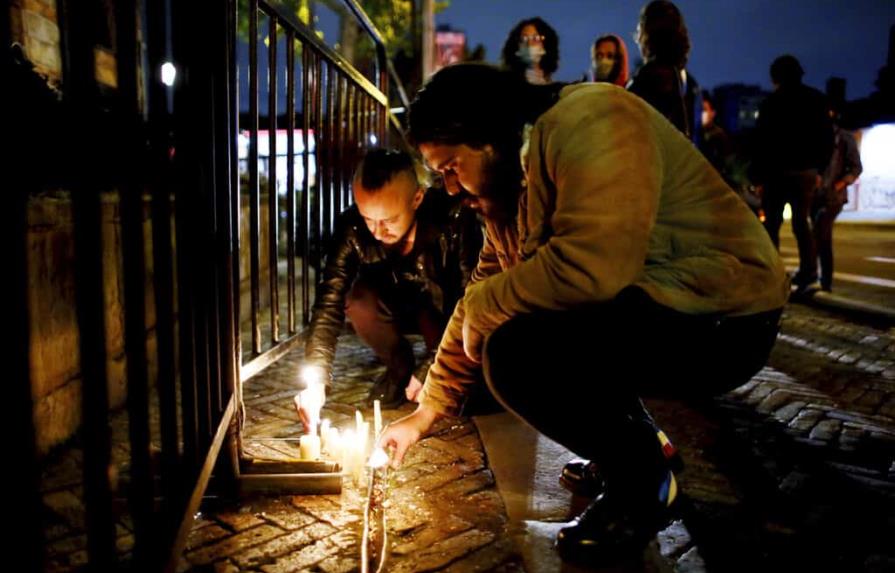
(351,447)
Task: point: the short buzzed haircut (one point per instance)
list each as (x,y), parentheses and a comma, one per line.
(380,165)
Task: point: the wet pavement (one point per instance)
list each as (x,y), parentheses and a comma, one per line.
(794,470)
(799,458)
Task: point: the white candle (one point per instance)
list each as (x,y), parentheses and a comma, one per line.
(358,421)
(347,445)
(377,419)
(365,442)
(360,452)
(334,444)
(309,447)
(324,433)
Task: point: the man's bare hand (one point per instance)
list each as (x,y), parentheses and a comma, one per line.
(308,402)
(403,433)
(413,389)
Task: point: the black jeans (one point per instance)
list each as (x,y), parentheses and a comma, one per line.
(577,376)
(796,188)
(823,216)
(383,313)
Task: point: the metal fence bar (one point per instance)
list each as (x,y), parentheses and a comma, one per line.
(354,119)
(162,251)
(273,214)
(82,93)
(333,103)
(316,203)
(254,194)
(134,252)
(305,206)
(290,178)
(324,153)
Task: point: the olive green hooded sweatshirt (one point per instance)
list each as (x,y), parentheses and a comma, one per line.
(615,196)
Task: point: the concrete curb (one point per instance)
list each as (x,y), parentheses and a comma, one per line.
(837,302)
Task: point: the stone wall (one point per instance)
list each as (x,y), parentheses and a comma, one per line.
(54,350)
(33,24)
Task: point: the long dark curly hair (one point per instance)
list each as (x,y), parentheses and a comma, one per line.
(549,62)
(663,33)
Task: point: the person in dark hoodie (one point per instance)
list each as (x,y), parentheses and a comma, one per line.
(663,80)
(795,141)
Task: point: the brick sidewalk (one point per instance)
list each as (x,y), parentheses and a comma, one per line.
(800,458)
(445,512)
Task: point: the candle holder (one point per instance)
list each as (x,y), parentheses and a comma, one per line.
(290,476)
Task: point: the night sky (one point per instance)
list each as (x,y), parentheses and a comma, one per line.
(733,40)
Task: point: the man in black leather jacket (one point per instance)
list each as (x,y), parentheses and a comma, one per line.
(400,259)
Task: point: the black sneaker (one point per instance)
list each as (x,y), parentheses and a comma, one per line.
(582,477)
(607,532)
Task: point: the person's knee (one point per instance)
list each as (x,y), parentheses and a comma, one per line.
(501,360)
(496,358)
(360,290)
(361,302)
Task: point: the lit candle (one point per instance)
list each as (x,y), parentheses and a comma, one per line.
(377,459)
(358,420)
(347,446)
(377,419)
(324,433)
(360,452)
(365,439)
(309,447)
(334,444)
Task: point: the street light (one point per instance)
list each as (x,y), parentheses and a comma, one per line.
(169,74)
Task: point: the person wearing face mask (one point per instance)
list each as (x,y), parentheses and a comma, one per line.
(609,60)
(532,51)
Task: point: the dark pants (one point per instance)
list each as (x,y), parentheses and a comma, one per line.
(383,313)
(577,376)
(796,188)
(826,208)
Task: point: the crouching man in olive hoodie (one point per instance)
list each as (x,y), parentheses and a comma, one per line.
(617,264)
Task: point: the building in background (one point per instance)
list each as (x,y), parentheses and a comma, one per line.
(450,46)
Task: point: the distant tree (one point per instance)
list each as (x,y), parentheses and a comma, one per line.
(398,22)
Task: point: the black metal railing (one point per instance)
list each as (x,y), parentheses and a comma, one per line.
(342,113)
(173,171)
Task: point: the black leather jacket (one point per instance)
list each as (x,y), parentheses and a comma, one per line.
(446,250)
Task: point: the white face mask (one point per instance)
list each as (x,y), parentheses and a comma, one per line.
(531,55)
(705,118)
(603,69)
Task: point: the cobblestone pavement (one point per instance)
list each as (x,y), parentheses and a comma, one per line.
(445,512)
(794,470)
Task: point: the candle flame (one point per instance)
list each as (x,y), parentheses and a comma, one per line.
(377,459)
(311,374)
